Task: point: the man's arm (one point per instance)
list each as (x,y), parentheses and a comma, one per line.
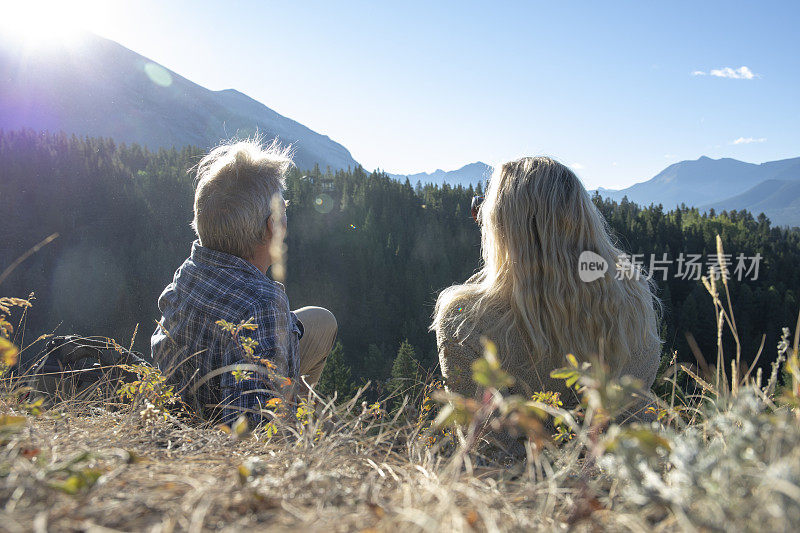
(257,368)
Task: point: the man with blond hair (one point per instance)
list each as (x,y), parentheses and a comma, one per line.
(227,333)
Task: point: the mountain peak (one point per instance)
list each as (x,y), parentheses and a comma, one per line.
(100,88)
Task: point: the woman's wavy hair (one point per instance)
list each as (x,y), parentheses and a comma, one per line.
(535,221)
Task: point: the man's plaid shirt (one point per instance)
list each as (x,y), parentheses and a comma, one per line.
(210,286)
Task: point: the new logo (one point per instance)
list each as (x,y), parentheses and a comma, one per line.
(591,266)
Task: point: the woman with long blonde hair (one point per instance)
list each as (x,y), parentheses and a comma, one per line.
(528,297)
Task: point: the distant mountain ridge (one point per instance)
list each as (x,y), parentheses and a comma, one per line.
(723,184)
(99,88)
(467,175)
(778,199)
(772,188)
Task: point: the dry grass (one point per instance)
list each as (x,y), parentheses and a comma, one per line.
(165,475)
(83,467)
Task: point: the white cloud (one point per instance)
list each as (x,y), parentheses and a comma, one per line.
(749,140)
(577,166)
(741,73)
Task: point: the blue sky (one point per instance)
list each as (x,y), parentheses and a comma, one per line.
(611,88)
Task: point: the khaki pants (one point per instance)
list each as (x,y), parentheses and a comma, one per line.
(319,334)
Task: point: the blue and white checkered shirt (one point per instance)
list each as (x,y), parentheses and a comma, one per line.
(210,286)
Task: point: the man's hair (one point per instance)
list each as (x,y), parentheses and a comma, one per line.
(235,186)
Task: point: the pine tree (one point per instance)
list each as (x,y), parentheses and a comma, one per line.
(336,376)
(404,370)
(374,363)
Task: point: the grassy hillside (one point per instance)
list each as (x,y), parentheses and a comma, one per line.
(718,454)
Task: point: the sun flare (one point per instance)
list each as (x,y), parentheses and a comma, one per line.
(43,22)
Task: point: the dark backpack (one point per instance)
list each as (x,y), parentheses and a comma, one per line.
(77,367)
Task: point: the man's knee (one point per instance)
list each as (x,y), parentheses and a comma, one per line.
(319,319)
(319,334)
(329,322)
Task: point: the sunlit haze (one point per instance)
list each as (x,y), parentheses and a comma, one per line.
(40,24)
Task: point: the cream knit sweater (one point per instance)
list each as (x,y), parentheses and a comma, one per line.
(456,357)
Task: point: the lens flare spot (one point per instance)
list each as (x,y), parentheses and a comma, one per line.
(158,74)
(352,226)
(323,203)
